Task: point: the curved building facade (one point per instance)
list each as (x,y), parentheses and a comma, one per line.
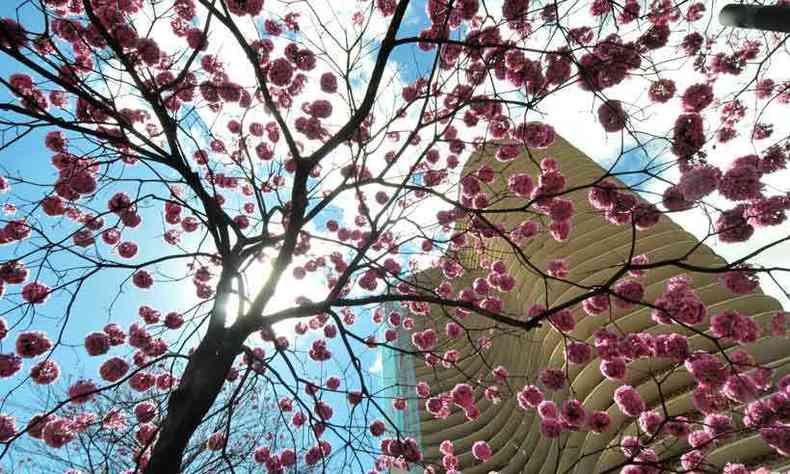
(594,252)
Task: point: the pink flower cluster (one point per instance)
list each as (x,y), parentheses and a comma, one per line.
(706,369)
(629,401)
(697,97)
(628,293)
(679,303)
(612,116)
(45,372)
(35,292)
(732,225)
(10,364)
(481,451)
(535,134)
(521,184)
(740,281)
(734,325)
(82,391)
(741,182)
(688,135)
(699,181)
(31,344)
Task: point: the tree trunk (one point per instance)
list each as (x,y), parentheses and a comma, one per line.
(191,400)
(769,18)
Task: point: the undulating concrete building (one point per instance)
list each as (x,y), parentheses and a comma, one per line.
(594,252)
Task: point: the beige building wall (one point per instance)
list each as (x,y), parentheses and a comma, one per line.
(594,251)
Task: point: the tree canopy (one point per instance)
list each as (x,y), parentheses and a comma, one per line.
(222,217)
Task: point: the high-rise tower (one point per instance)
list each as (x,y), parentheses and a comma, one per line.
(595,250)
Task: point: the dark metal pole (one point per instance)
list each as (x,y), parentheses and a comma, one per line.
(769,18)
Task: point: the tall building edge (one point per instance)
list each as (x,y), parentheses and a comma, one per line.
(593,250)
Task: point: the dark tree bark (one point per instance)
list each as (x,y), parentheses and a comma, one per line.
(188,404)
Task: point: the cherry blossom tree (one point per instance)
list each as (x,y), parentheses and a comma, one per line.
(218,213)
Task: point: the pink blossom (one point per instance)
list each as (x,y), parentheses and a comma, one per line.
(113,369)
(216,441)
(741,183)
(596,304)
(116,334)
(481,451)
(741,281)
(662,90)
(732,225)
(628,293)
(377,428)
(563,320)
(328,83)
(550,427)
(142,381)
(145,433)
(56,141)
(500,374)
(677,426)
(148,50)
(463,395)
(145,412)
(288,457)
(552,379)
(640,259)
(679,302)
(142,279)
(699,182)
(706,369)
(10,364)
(82,391)
(708,399)
(602,195)
(697,97)
(530,397)
(645,215)
(767,211)
(599,421)
(14,36)
(58,432)
(673,346)
(650,421)
(614,368)
(629,401)
(127,249)
(45,372)
(7,427)
(573,413)
(548,409)
(35,292)
(558,268)
(535,135)
(578,352)
(31,344)
(673,199)
(717,426)
(280,72)
(779,324)
(521,184)
(700,439)
(97,343)
(732,468)
(688,135)
(612,116)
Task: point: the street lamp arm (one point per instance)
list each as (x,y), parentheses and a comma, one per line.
(770,18)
